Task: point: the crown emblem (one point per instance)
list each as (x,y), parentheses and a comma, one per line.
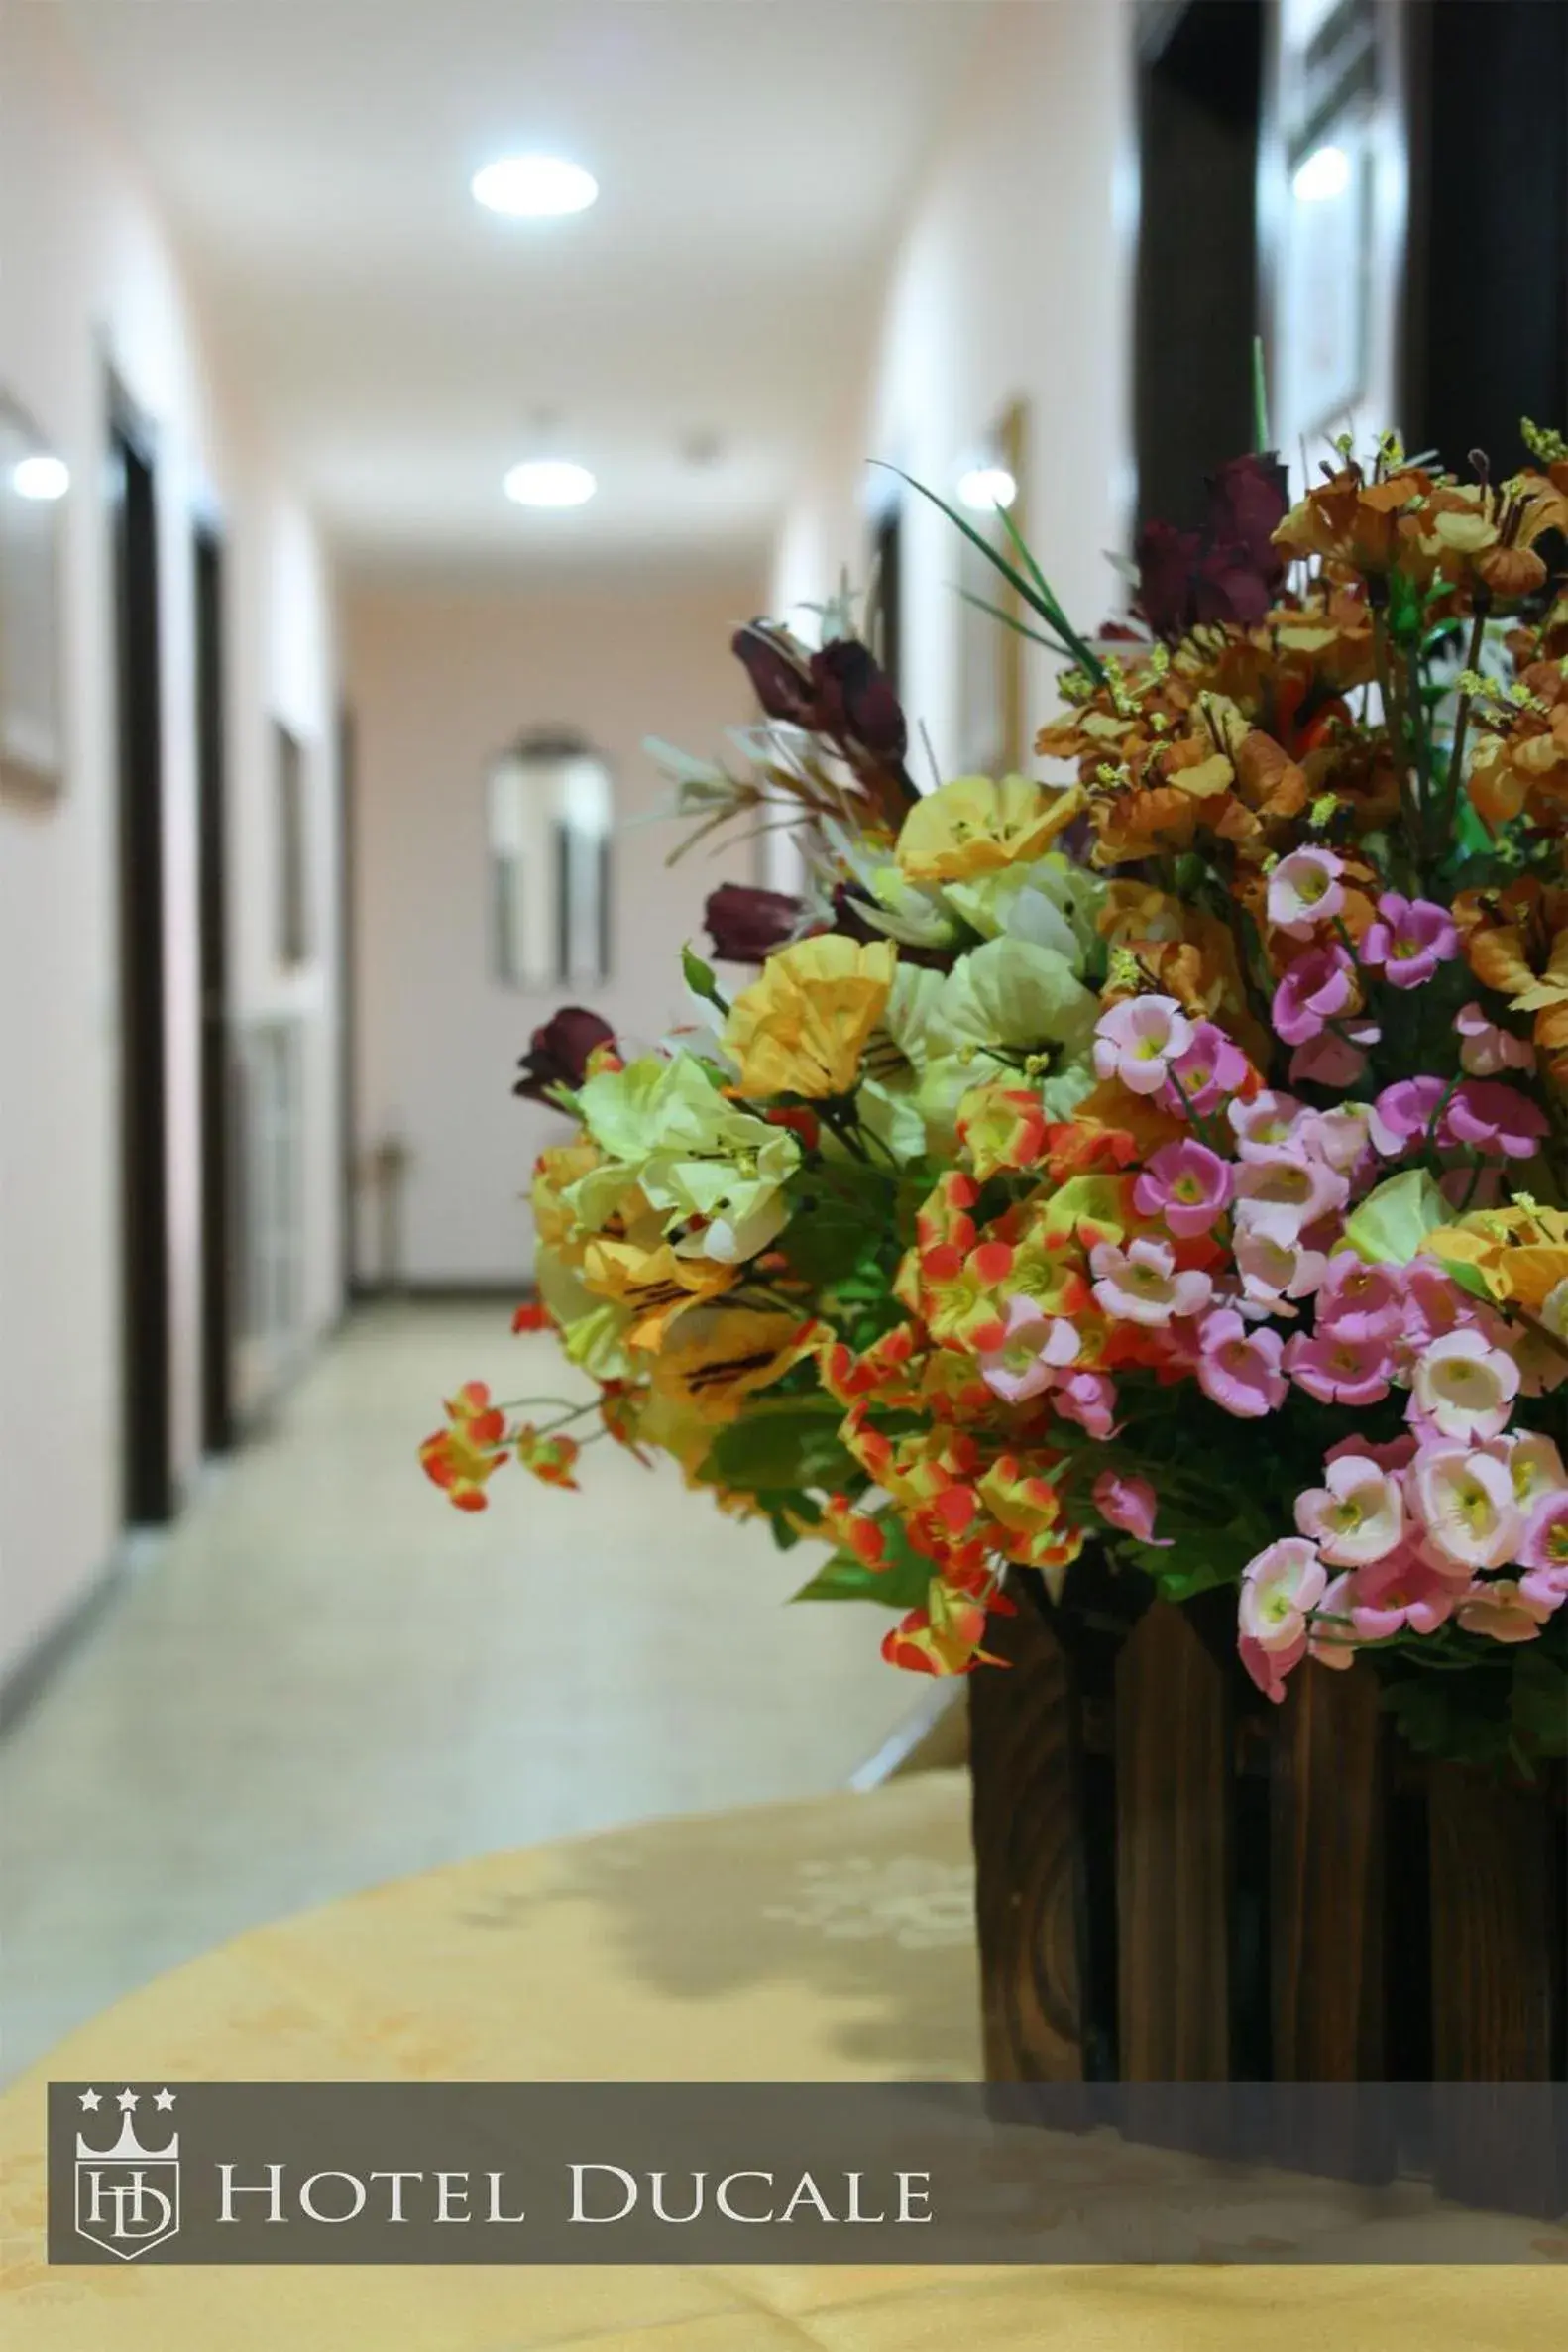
(128,2147)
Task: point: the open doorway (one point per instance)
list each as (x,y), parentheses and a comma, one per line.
(149,1487)
(217,1091)
(1200,104)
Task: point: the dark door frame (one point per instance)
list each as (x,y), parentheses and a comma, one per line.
(148,1478)
(348,1001)
(217,1178)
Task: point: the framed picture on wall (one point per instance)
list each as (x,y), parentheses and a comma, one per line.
(33,487)
(991,709)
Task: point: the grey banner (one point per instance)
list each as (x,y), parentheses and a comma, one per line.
(649,2173)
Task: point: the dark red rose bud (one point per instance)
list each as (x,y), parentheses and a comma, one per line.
(856,702)
(1165,558)
(1248,499)
(746,925)
(779,671)
(558,1051)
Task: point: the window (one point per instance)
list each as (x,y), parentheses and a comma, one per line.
(293,874)
(549,819)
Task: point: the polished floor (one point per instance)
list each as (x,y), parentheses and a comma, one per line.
(325,1678)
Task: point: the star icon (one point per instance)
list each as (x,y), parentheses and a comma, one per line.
(163,2101)
(90,2100)
(125,2101)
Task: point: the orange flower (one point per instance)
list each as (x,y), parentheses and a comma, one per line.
(465,1455)
(1351,521)
(1516,941)
(550,1457)
(532,1315)
(1001,1127)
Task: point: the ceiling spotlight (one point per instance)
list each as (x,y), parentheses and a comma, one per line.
(533,188)
(1321,176)
(986,487)
(41,478)
(549,482)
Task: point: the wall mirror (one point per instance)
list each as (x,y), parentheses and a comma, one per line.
(33,481)
(549,811)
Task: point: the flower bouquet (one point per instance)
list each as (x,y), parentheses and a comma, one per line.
(1148,1180)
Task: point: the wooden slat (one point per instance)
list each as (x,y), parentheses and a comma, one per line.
(1023,1761)
(1328,1774)
(1498,1969)
(1172,1874)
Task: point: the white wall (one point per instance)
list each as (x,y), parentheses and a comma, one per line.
(1012,281)
(440,681)
(87,277)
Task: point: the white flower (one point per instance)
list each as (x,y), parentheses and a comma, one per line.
(1465,1500)
(1304,891)
(1357,1515)
(1465,1388)
(1277,1588)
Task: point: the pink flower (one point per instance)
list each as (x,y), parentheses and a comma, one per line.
(1399,1589)
(1186,1184)
(1239,1367)
(1317,989)
(1339,1371)
(1544,1545)
(1466,1500)
(1283,1192)
(1034,1345)
(1305,890)
(1088,1397)
(1268,1668)
(1436,1305)
(1492,1117)
(1212,1067)
(1536,1467)
(1141,1284)
(1463,1387)
(1274,1272)
(1488,1050)
(1342,1136)
(1334,1058)
(1331,1638)
(1403,1111)
(1278,1587)
(1129,1504)
(1360,1301)
(1398,1453)
(1265,1125)
(1357,1515)
(1502,1610)
(1135,1040)
(1409,940)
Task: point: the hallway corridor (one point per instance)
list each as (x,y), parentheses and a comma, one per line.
(326,1678)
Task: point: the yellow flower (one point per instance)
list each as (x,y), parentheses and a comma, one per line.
(715,1355)
(1520,1254)
(654,1283)
(802,1026)
(971,827)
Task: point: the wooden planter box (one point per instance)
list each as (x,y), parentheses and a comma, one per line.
(1179,1882)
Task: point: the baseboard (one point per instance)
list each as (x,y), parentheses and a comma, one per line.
(23,1683)
(934,1737)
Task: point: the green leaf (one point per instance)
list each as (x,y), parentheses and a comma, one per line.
(1008,621)
(700,978)
(1539,1705)
(1394,1220)
(1045,605)
(781,1444)
(845,1577)
(1260,400)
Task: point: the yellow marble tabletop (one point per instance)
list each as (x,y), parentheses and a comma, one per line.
(831,1940)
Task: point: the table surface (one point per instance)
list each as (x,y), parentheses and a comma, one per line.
(823,1941)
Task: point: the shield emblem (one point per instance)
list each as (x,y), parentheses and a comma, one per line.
(128,2209)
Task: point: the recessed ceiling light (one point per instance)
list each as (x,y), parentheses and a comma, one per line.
(535,187)
(986,487)
(1321,176)
(549,482)
(41,478)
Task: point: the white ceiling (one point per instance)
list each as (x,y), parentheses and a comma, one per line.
(313,157)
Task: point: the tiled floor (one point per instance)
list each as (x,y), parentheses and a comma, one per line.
(328,1678)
